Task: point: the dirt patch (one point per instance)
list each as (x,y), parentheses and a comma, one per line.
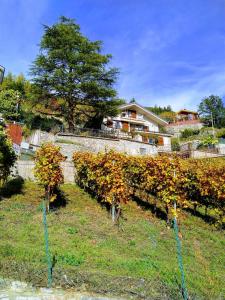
(97,283)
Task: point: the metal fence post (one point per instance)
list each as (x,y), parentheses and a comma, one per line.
(179,256)
(48,256)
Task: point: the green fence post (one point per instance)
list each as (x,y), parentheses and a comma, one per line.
(47,246)
(179,256)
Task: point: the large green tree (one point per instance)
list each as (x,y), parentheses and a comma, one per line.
(72,68)
(212,107)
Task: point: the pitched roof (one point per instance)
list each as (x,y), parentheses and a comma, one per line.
(150,114)
(187,111)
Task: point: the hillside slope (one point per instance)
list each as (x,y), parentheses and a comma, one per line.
(136,260)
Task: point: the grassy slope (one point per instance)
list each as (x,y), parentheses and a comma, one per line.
(136,260)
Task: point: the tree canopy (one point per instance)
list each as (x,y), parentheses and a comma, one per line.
(72,68)
(212,107)
(159,109)
(17,83)
(9,104)
(169,116)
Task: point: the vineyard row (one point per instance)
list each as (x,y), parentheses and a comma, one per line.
(114,178)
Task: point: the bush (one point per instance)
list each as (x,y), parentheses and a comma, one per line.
(103,175)
(189,132)
(207,142)
(221,133)
(37,122)
(7,156)
(175,144)
(48,170)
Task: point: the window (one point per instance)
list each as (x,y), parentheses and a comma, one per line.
(152,141)
(118,125)
(139,128)
(143,151)
(140,117)
(132,114)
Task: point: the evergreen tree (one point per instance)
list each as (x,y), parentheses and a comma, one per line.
(72,68)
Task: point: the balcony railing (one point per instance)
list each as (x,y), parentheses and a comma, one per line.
(137,117)
(112,133)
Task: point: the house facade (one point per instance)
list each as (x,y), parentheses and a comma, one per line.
(185,119)
(139,124)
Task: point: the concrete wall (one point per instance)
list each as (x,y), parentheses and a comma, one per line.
(221,148)
(25,169)
(92,144)
(167,142)
(38,137)
(71,143)
(203,154)
(177,129)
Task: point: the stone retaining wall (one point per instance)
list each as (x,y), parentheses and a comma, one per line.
(25,169)
(94,144)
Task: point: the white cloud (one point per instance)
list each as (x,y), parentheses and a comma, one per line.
(189,97)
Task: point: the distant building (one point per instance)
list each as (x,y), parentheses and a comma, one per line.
(139,124)
(185,119)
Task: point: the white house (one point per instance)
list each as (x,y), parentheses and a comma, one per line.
(137,123)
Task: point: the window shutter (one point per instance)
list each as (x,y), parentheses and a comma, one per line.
(125,126)
(160,141)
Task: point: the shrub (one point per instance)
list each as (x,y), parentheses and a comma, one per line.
(33,122)
(207,142)
(103,175)
(48,170)
(189,132)
(221,133)
(7,156)
(175,146)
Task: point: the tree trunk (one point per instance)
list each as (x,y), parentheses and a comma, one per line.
(71,125)
(70,118)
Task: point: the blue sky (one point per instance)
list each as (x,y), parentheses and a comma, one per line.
(168,51)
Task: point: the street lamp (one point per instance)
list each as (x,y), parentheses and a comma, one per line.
(2,72)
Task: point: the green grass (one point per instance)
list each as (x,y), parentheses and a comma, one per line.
(136,260)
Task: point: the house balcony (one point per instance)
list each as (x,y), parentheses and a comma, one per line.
(184,122)
(136,120)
